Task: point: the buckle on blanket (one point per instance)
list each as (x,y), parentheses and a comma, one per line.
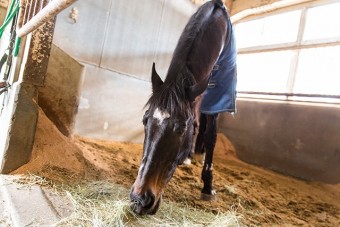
(212,83)
(216,67)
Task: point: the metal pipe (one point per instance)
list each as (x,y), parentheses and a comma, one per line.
(48,12)
(26,11)
(35,10)
(289,94)
(22,13)
(266,8)
(40,5)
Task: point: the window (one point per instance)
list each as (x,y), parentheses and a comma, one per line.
(318,71)
(291,54)
(269,30)
(259,71)
(323,22)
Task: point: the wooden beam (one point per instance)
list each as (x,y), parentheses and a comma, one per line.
(38,54)
(228,4)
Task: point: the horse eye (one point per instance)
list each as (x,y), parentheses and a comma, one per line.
(180,128)
(145,118)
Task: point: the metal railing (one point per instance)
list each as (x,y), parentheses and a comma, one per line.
(34,13)
(289,94)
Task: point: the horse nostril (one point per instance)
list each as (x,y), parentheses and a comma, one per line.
(149,199)
(141,204)
(146,200)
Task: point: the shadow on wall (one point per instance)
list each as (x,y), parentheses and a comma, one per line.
(111,106)
(133,62)
(59,97)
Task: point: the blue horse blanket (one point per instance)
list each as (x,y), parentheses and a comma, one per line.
(220,95)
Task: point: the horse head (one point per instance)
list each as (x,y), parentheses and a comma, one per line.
(169,130)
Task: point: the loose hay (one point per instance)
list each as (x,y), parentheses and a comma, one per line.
(106,204)
(102,203)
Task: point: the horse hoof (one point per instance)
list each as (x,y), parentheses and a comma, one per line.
(209,197)
(187,161)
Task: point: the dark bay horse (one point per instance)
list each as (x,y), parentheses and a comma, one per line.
(171,119)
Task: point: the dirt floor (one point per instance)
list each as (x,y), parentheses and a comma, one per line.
(263,197)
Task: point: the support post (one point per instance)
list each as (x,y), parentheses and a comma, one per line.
(18,121)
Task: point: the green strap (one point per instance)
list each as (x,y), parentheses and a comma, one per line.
(9,16)
(10,9)
(16,46)
(13,10)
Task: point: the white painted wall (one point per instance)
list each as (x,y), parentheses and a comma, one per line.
(124,36)
(117,41)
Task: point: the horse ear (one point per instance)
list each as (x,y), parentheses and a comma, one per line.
(197,89)
(155,79)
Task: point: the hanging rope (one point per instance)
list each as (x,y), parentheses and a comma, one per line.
(159,32)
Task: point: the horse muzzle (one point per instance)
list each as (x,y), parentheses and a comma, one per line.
(144,203)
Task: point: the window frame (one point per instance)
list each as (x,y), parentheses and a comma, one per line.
(296,47)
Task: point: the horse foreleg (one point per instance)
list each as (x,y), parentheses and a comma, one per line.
(210,135)
(196,124)
(198,140)
(199,144)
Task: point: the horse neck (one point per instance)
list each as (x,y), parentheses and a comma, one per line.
(179,74)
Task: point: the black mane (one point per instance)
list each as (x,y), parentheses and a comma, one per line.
(172,97)
(173,94)
(191,32)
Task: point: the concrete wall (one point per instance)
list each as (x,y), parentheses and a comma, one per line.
(117,41)
(302,140)
(123,36)
(59,97)
(17,127)
(111,106)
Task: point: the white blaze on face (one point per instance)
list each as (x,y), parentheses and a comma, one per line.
(141,167)
(160,115)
